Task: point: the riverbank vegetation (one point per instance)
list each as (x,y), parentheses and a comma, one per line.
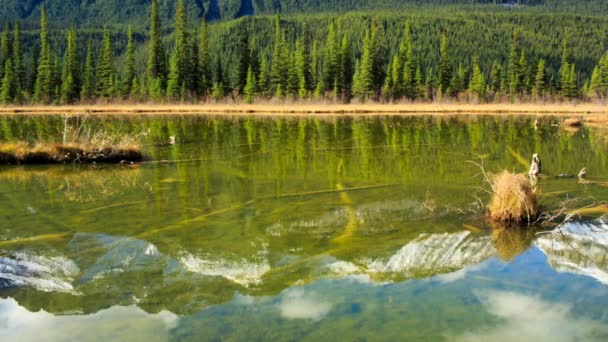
(489,55)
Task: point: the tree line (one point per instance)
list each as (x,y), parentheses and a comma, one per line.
(293,65)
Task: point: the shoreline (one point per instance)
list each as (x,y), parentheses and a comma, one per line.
(556,109)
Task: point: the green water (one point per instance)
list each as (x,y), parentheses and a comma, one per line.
(238,232)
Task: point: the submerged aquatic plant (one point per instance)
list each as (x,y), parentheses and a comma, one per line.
(513,199)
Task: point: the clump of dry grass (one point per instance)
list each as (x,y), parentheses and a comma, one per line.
(573,123)
(513,200)
(74,152)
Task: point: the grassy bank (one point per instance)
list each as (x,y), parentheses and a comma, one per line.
(299,109)
(42,153)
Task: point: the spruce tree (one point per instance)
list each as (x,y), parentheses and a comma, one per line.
(244,58)
(445,69)
(564,71)
(513,69)
(332,58)
(409,65)
(129,62)
(251,87)
(70,88)
(88,80)
(43,89)
(525,83)
(181,43)
(346,69)
(206,78)
(539,80)
(477,86)
(105,68)
(5,49)
(595,86)
(496,78)
(173,84)
(156,53)
(8,89)
(264,78)
(18,67)
(278,68)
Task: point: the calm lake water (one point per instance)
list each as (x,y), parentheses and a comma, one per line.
(239,232)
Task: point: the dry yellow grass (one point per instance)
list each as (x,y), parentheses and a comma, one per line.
(513,200)
(308,108)
(45,153)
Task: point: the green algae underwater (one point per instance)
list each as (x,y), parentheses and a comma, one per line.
(302,228)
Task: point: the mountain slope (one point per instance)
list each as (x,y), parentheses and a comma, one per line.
(95,13)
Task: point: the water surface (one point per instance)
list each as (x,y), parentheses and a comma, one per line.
(301,229)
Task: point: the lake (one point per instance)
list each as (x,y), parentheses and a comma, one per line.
(314,228)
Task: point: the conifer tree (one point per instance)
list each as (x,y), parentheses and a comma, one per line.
(173,84)
(346,69)
(278,68)
(8,91)
(303,66)
(129,62)
(206,78)
(332,58)
(264,78)
(524,74)
(445,69)
(181,44)
(496,78)
(250,89)
(595,86)
(5,49)
(88,80)
(513,69)
(409,65)
(70,77)
(539,80)
(564,71)
(156,53)
(43,88)
(477,86)
(18,67)
(105,68)
(244,59)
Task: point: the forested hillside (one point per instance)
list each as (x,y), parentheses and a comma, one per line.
(95,13)
(428,52)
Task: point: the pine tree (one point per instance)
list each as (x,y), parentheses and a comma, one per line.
(278,68)
(346,69)
(156,53)
(8,91)
(595,87)
(244,59)
(514,71)
(70,77)
(419,86)
(88,84)
(264,78)
(371,71)
(105,68)
(204,61)
(173,84)
(539,80)
(496,78)
(18,67)
(181,43)
(569,88)
(477,86)
(5,49)
(332,58)
(409,65)
(303,66)
(445,70)
(458,82)
(251,87)
(525,83)
(564,71)
(43,89)
(129,63)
